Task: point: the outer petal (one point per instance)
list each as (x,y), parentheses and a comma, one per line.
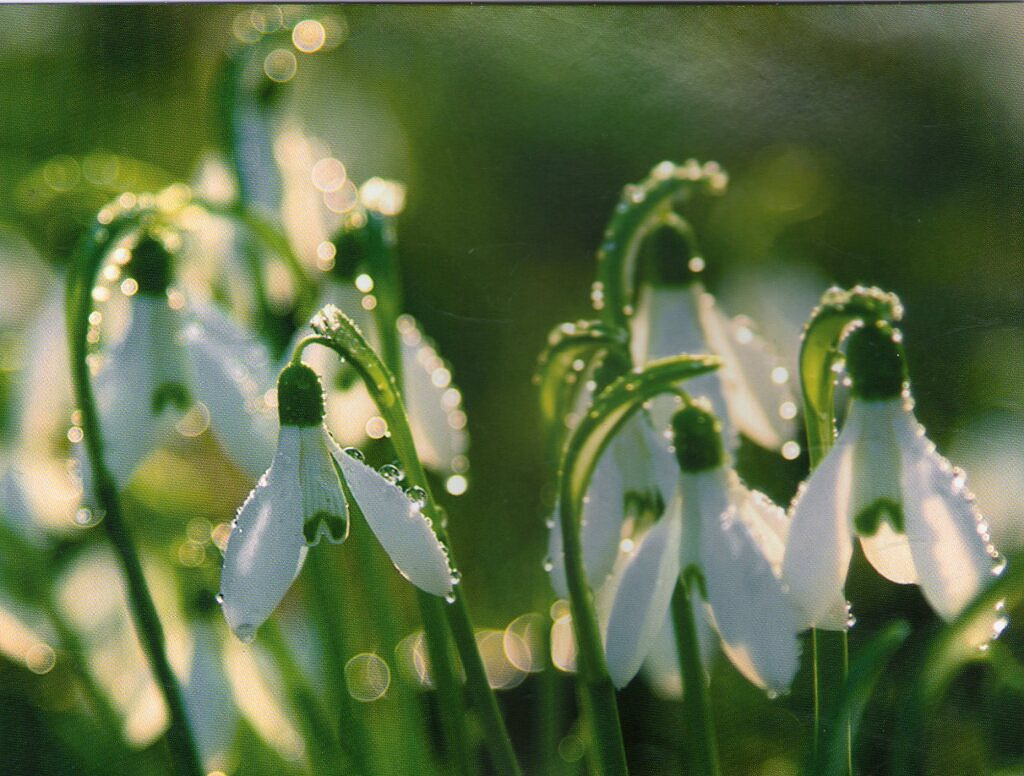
(399,525)
(266,548)
(667,323)
(948,538)
(753,616)
(207,696)
(876,487)
(819,547)
(761,405)
(434,403)
(138,369)
(600,526)
(231,376)
(642,600)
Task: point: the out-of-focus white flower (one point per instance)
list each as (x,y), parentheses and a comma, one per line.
(173,356)
(300,498)
(731,539)
(884,482)
(750,392)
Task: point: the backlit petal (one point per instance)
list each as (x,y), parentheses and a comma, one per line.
(231,376)
(399,525)
(757,624)
(820,541)
(642,600)
(266,547)
(948,538)
(761,406)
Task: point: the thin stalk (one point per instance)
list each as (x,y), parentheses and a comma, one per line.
(547,701)
(700,731)
(325,604)
(331,753)
(81,279)
(341,335)
(443,671)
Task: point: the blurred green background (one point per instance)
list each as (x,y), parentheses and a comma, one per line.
(875,144)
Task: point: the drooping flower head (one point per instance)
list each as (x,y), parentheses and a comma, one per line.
(175,354)
(727,541)
(884,483)
(300,499)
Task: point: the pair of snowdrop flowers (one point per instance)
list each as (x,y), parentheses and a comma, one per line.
(884,483)
(300,499)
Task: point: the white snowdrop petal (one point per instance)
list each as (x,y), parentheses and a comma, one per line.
(702,494)
(754,399)
(266,548)
(642,600)
(661,669)
(889,552)
(231,375)
(399,525)
(948,539)
(139,366)
(818,551)
(667,323)
(438,430)
(756,622)
(600,526)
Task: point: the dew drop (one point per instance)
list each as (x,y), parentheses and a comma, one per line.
(391,473)
(548,565)
(219,598)
(449,598)
(456,576)
(355,452)
(417,495)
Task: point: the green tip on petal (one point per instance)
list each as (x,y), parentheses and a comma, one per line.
(698,438)
(300,397)
(869,519)
(334,527)
(171,394)
(667,253)
(875,362)
(151,266)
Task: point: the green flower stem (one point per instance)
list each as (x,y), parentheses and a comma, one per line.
(611,409)
(549,707)
(337,332)
(85,265)
(325,604)
(326,751)
(642,208)
(700,730)
(444,674)
(819,354)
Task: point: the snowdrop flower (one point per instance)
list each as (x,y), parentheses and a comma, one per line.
(750,392)
(727,539)
(171,357)
(884,483)
(300,499)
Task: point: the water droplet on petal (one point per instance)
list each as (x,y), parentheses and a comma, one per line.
(391,473)
(355,452)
